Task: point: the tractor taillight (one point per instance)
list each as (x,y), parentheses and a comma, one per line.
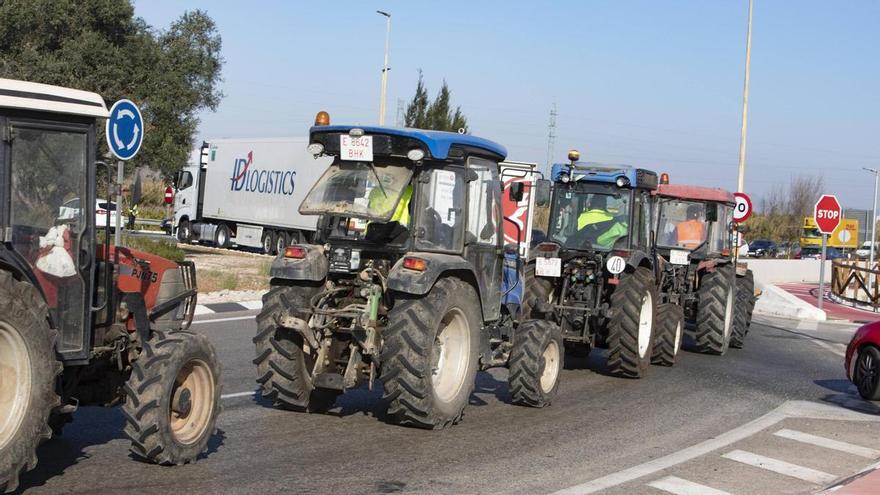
(297,252)
(416,264)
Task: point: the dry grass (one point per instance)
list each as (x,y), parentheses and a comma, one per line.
(215,272)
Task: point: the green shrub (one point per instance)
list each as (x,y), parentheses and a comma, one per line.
(160,247)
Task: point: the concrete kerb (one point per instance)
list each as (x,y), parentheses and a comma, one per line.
(777,302)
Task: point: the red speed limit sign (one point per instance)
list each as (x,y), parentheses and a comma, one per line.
(743,208)
(827,213)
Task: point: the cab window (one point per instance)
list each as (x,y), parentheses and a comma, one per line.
(439,210)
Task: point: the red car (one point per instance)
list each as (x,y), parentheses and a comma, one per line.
(863,360)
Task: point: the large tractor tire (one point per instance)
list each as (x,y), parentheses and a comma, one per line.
(172,398)
(670,321)
(632,323)
(283,368)
(745,305)
(535,289)
(717,299)
(430,355)
(28,369)
(535,363)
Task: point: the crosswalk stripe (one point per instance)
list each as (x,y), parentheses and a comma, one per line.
(781,467)
(680,486)
(829,443)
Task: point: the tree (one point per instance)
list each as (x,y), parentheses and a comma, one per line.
(437,115)
(100,46)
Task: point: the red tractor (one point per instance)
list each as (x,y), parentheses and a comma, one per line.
(81,322)
(698,271)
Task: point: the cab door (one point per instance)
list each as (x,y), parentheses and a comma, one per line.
(482,240)
(50,215)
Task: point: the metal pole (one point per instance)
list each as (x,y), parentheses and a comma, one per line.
(120,176)
(874,216)
(740,185)
(384,68)
(822,271)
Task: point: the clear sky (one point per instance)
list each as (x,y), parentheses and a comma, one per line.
(651,83)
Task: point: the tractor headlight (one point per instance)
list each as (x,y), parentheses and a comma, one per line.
(622,181)
(416,154)
(565,178)
(315,149)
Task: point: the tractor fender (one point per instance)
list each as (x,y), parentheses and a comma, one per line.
(419,283)
(640,258)
(313,267)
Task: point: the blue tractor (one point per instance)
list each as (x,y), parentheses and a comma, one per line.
(407,281)
(594,274)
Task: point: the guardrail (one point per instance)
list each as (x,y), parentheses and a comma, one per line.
(850,283)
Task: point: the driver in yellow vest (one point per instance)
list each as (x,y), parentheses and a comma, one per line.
(379,201)
(606,228)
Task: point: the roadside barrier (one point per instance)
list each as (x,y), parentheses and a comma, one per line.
(850,281)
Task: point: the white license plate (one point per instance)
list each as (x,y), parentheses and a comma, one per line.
(356,148)
(548,267)
(678,257)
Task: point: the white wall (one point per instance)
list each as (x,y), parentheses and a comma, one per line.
(780,271)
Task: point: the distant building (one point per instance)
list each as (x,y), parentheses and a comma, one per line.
(864,218)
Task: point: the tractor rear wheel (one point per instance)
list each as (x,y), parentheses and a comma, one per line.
(172,398)
(430,355)
(535,363)
(632,323)
(535,289)
(745,304)
(28,368)
(717,298)
(283,368)
(670,321)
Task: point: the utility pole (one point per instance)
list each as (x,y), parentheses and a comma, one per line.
(384,67)
(745,114)
(551,138)
(400,113)
(876,173)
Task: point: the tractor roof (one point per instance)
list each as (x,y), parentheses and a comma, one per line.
(437,142)
(697,193)
(599,172)
(45,98)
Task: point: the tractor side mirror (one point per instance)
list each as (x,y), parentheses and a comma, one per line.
(711,212)
(516,191)
(542,192)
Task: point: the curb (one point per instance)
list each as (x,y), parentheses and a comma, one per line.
(778,302)
(866,482)
(227,307)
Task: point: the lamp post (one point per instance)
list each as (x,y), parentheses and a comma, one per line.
(384,67)
(873,224)
(740,185)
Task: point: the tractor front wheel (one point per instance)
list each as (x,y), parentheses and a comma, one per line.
(172,398)
(535,363)
(28,368)
(430,355)
(717,298)
(670,318)
(745,305)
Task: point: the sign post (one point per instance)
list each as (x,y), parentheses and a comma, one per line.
(826,214)
(125,134)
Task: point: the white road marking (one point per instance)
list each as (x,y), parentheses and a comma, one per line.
(221,320)
(789,409)
(781,467)
(238,394)
(202,310)
(680,486)
(829,443)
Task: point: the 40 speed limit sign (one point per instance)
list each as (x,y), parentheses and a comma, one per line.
(743,208)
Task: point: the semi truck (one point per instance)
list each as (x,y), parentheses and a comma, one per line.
(245,192)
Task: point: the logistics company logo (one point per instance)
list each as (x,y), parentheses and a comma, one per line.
(261,181)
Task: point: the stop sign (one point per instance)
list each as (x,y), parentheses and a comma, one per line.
(169,195)
(827,213)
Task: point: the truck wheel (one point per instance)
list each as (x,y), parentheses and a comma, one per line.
(172,398)
(282,240)
(28,368)
(535,289)
(221,236)
(184,232)
(283,368)
(430,354)
(745,304)
(631,326)
(866,374)
(670,319)
(535,363)
(268,242)
(717,297)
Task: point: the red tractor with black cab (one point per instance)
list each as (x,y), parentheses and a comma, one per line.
(83,322)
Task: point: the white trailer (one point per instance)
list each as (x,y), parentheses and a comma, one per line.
(246,192)
(519,214)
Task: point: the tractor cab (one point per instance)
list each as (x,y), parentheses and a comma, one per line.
(693,219)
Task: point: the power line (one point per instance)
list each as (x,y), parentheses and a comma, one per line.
(399,122)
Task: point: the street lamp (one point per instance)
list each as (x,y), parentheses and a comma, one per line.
(873,221)
(740,185)
(384,68)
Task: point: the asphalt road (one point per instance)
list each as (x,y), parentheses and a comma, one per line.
(598,426)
